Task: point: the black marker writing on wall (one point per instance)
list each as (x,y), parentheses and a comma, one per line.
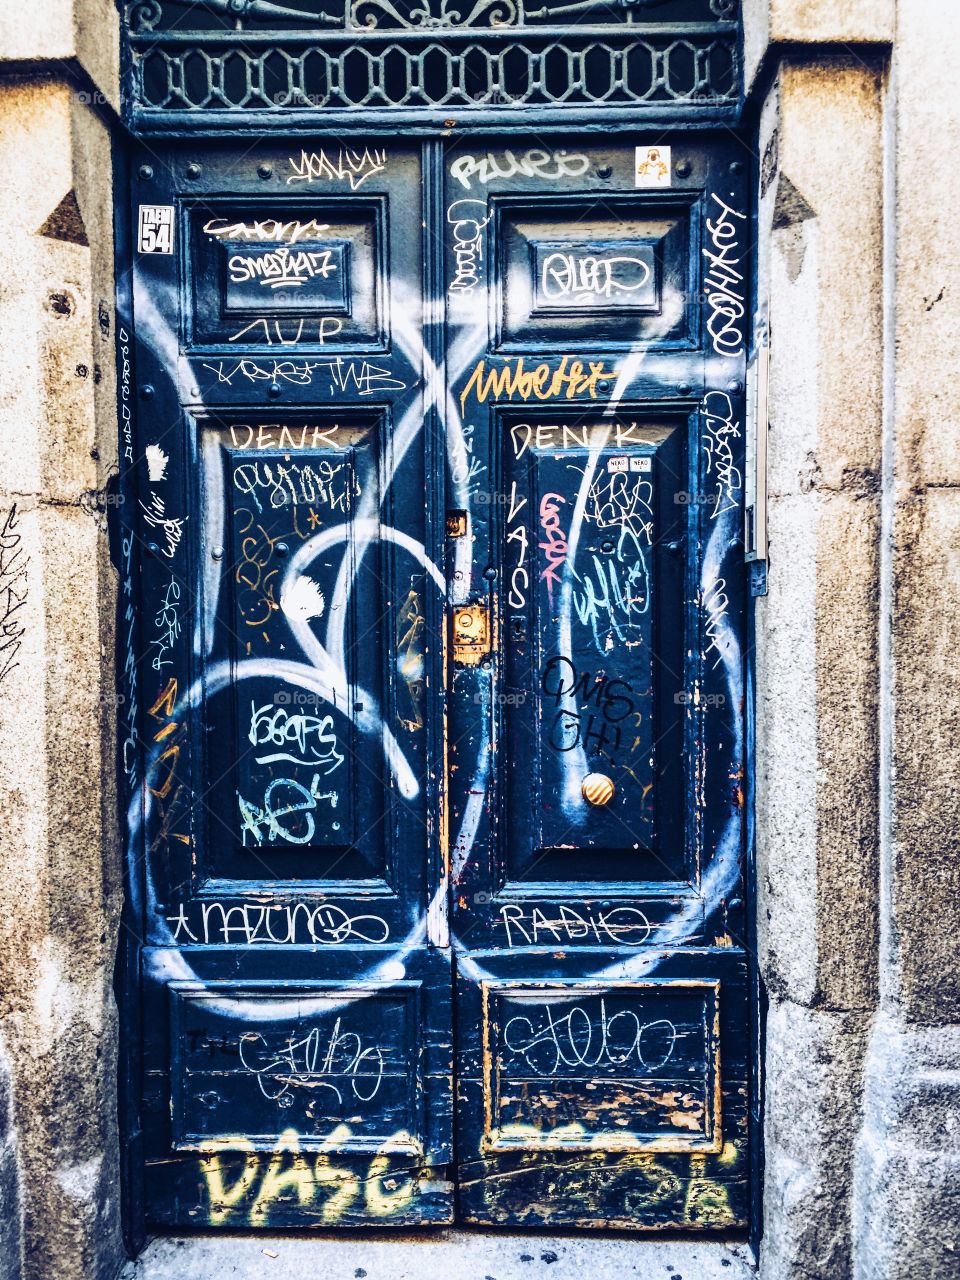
(13,591)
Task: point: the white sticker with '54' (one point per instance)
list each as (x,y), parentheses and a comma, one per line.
(155,228)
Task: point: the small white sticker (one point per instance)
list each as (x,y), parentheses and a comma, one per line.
(155,234)
(641,464)
(618,464)
(652,167)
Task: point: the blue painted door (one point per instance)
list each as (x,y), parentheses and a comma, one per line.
(437,683)
(595,307)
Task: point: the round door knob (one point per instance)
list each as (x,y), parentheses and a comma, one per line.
(597,788)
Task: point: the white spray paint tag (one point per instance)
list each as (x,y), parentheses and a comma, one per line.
(652,167)
(155,228)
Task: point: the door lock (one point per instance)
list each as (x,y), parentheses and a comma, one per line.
(471,634)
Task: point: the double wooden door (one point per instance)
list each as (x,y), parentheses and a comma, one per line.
(436,859)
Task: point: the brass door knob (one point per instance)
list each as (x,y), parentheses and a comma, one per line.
(597,788)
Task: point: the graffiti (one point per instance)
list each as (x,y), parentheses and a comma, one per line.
(517,533)
(584,1038)
(162,710)
(314,1061)
(621,501)
(273,332)
(723,282)
(350,165)
(313,737)
(168,795)
(270,230)
(586,278)
(410,624)
(317,602)
(613,597)
(621,926)
(281,268)
(170,528)
(721,429)
(302,599)
(251,924)
(254,575)
(467,219)
(715,604)
(167,622)
(157,462)
(341,375)
(124,391)
(535,163)
(281,484)
(321,1184)
(13,592)
(543,383)
(280,435)
(130,666)
(572,693)
(549,436)
(464,465)
(554,546)
(284,798)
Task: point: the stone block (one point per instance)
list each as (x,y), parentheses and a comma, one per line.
(81,34)
(817,817)
(771,23)
(824,273)
(926,835)
(927,245)
(813,1098)
(907,1201)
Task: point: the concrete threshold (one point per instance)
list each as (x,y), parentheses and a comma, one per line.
(462,1255)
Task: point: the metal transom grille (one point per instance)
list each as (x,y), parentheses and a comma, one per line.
(483,58)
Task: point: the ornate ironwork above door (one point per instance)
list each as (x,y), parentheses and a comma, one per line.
(246,63)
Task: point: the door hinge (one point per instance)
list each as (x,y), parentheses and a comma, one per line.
(471,634)
(755,481)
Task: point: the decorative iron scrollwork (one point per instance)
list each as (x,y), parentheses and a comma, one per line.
(374,14)
(563,9)
(328,58)
(145,15)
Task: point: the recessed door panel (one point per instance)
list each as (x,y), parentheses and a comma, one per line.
(600,270)
(297,575)
(292,275)
(590,758)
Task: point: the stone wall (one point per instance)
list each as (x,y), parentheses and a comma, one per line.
(59,858)
(857,823)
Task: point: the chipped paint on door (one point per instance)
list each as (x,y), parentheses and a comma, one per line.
(436,686)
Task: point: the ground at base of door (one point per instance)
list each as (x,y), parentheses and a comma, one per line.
(464,1255)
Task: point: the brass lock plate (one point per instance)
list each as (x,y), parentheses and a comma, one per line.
(471,634)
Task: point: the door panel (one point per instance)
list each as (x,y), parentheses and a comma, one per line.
(596,738)
(297,1043)
(580,678)
(438,513)
(598,1098)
